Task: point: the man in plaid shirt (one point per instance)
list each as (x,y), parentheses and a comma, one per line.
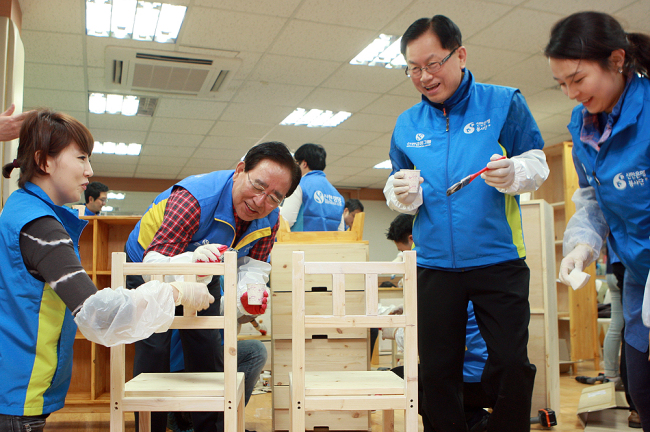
(238,209)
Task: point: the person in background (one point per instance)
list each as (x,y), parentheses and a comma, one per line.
(474,397)
(236,208)
(606,69)
(469,245)
(316,205)
(96,194)
(45,294)
(352,207)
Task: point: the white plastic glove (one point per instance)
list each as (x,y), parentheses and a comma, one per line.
(645,308)
(500,173)
(250,270)
(193,295)
(572,265)
(209,253)
(401,189)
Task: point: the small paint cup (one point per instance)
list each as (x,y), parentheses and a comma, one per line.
(413,177)
(256,293)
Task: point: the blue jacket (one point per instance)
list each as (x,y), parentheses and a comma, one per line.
(476,353)
(322,205)
(478,225)
(87,212)
(620,175)
(213,191)
(37,330)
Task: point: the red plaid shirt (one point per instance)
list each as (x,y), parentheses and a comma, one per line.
(181,222)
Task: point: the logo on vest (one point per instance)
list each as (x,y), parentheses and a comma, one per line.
(322,198)
(476,127)
(619,182)
(420,141)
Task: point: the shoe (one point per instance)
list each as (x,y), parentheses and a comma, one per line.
(634,421)
(591,380)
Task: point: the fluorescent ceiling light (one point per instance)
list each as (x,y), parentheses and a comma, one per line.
(315,118)
(117,196)
(134,19)
(100,103)
(117,148)
(383,51)
(107,208)
(384,165)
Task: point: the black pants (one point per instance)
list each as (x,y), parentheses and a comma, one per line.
(500,297)
(201,353)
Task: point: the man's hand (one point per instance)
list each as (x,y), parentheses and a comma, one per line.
(192,295)
(210,253)
(401,189)
(255,309)
(10,124)
(500,173)
(579,258)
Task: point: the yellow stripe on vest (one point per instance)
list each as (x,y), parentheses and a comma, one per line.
(50,321)
(264,232)
(151,221)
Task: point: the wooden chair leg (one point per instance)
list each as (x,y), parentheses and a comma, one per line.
(145,421)
(241,410)
(388,417)
(117,420)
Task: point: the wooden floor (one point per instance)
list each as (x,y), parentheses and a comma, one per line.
(258,411)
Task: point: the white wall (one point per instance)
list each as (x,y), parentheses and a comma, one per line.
(378,218)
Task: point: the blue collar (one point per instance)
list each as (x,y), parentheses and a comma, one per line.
(460,93)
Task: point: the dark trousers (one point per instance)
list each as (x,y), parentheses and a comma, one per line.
(201,353)
(9,423)
(639,386)
(500,297)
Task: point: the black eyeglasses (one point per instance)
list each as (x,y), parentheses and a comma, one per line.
(271,198)
(433,67)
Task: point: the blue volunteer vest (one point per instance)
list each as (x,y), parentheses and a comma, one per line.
(322,205)
(37,330)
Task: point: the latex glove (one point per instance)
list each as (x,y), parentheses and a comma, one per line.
(401,189)
(255,309)
(210,253)
(193,295)
(500,173)
(573,264)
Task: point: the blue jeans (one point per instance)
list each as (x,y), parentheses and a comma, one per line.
(22,423)
(251,358)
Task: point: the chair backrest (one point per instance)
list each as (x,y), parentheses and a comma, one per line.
(339,318)
(355,234)
(228,269)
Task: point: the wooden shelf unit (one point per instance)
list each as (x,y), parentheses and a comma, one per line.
(90,385)
(577,310)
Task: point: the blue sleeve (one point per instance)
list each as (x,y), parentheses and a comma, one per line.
(397,158)
(520,132)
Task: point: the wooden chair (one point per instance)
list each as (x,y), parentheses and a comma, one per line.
(211,391)
(350,390)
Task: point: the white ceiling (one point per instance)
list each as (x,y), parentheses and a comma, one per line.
(295,53)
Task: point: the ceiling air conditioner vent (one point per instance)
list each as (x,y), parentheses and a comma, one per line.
(129,71)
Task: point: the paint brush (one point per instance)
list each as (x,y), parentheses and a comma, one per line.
(467,180)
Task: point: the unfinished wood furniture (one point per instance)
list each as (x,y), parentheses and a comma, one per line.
(354,234)
(209,391)
(318,389)
(344,349)
(90,386)
(543,350)
(577,310)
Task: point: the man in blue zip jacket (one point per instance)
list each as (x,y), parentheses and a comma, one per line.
(469,244)
(315,205)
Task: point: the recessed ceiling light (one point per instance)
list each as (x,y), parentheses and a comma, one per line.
(129,105)
(117,148)
(384,165)
(133,19)
(315,118)
(383,51)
